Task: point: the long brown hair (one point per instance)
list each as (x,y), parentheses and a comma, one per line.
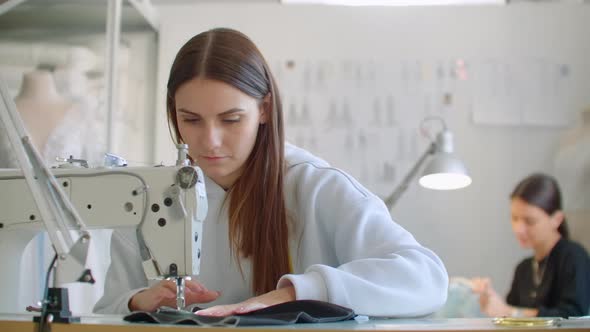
(542,191)
(258,228)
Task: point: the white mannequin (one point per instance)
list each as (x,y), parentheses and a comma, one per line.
(40,105)
(572,165)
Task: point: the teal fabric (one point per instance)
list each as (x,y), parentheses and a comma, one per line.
(461,301)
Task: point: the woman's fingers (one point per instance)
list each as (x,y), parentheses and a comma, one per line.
(277,296)
(197,293)
(480,285)
(252,306)
(195,286)
(232,309)
(203,296)
(164,294)
(167,284)
(219,310)
(153,297)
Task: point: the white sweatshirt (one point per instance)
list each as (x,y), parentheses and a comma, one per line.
(344,246)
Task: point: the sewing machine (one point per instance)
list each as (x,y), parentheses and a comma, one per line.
(167,205)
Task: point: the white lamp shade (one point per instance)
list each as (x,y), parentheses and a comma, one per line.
(444,172)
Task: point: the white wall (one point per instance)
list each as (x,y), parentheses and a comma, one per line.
(469,229)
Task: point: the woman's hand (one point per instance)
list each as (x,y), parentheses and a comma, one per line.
(480,285)
(490,302)
(282,295)
(164,294)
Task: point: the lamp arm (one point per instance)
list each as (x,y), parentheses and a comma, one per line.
(403,185)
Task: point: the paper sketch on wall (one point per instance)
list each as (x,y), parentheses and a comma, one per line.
(524,92)
(362,116)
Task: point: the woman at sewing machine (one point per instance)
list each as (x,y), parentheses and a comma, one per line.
(282,224)
(554,281)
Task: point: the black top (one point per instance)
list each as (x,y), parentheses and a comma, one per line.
(564,288)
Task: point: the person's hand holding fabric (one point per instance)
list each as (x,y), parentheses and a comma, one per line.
(164,294)
(490,302)
(277,296)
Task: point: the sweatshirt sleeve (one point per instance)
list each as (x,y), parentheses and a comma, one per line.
(380,269)
(125,276)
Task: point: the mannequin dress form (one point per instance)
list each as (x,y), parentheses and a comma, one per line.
(40,106)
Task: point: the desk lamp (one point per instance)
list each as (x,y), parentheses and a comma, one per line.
(443,171)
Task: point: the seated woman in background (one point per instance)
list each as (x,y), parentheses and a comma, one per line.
(555,281)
